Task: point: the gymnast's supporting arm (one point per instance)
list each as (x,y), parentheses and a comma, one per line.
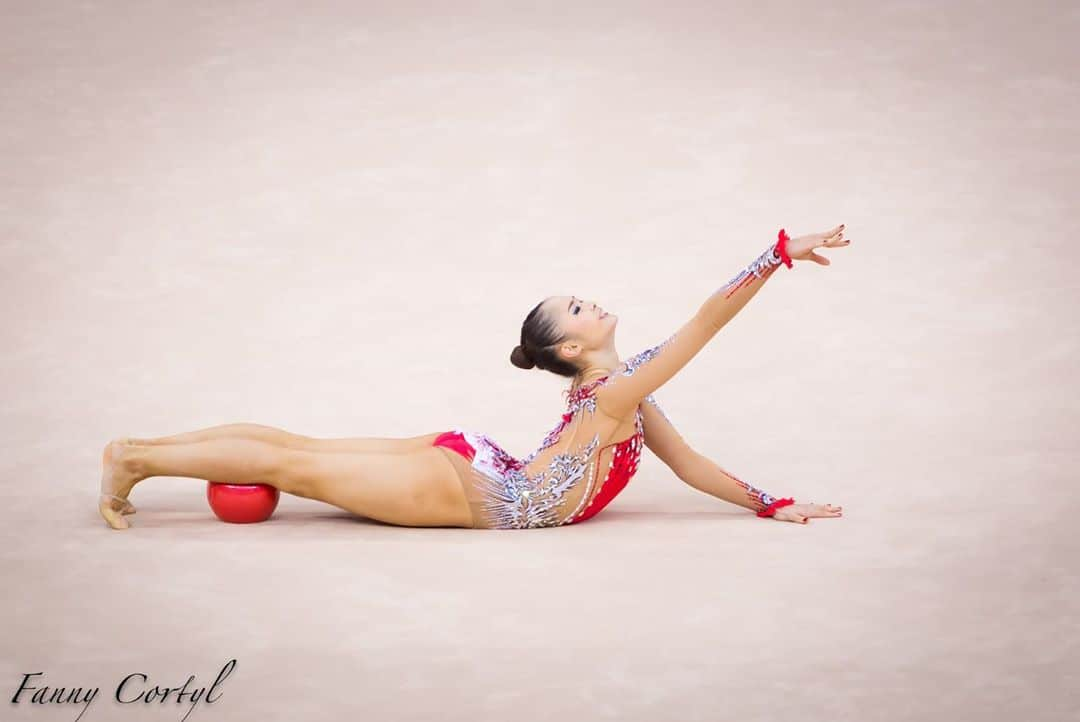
(706,475)
(662,438)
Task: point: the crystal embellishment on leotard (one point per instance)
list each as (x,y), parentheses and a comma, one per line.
(645,356)
(756,269)
(632,364)
(760,499)
(517,501)
(652,400)
(512,499)
(579,399)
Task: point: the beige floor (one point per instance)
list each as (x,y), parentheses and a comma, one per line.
(335,219)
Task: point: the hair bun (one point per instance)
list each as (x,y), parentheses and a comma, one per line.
(520,358)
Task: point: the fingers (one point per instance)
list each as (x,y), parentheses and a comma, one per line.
(807,512)
(803,513)
(826,235)
(828,239)
(834,237)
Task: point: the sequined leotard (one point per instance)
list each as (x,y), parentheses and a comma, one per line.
(594,450)
(574,473)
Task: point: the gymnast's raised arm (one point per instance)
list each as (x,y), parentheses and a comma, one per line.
(647,371)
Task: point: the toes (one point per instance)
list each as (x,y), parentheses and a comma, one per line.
(114,520)
(113,509)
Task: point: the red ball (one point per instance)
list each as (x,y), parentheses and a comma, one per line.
(242,503)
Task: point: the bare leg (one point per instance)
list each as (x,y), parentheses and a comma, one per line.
(258,432)
(281,437)
(419,488)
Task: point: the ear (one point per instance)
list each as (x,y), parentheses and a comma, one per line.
(570,350)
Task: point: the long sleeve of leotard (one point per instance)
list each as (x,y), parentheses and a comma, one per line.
(696,470)
(647,371)
(706,475)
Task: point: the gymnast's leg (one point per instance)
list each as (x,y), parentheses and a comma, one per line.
(418,488)
(281,437)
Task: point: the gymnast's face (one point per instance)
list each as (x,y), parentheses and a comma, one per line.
(583,321)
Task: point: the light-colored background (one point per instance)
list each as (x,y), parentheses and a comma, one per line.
(334,219)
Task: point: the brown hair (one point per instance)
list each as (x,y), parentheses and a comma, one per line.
(539,337)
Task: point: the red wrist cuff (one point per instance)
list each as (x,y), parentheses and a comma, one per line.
(771,508)
(781,247)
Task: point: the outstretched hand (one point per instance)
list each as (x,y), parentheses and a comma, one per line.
(802,513)
(802,248)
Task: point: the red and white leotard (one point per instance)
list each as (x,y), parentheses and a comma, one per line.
(579,467)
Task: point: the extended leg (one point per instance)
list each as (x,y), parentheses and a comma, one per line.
(410,489)
(257,432)
(281,437)
(125,464)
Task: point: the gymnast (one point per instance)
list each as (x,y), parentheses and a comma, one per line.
(463,478)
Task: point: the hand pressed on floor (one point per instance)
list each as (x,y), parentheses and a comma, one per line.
(802,513)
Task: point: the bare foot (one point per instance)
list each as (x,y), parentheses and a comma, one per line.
(117,481)
(801,513)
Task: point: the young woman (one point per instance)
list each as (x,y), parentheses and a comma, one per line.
(463,478)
